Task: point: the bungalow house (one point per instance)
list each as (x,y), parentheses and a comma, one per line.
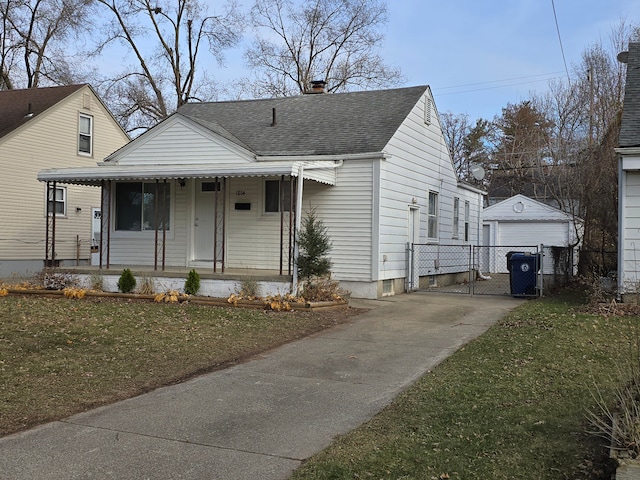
(629,178)
(44,128)
(223,188)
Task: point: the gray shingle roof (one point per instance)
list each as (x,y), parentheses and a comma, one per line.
(312,124)
(14,104)
(630,127)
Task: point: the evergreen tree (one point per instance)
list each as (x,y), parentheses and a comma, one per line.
(315,246)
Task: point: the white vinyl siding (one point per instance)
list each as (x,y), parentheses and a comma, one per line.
(630,244)
(178,141)
(50,140)
(418,162)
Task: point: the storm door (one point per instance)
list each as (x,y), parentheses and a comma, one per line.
(209,220)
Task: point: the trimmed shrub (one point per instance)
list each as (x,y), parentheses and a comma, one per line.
(192,285)
(127,281)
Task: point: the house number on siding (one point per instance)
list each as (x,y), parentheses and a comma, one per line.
(240,193)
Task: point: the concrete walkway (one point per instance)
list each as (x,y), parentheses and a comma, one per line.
(260,419)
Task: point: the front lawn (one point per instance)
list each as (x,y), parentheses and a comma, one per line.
(510,405)
(60,356)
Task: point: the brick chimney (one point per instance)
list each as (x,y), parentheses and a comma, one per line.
(318,86)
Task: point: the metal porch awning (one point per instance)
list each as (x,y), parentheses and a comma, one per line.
(321,171)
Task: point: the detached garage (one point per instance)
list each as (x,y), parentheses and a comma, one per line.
(521,222)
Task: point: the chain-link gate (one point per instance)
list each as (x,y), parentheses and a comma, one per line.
(476,270)
(522,271)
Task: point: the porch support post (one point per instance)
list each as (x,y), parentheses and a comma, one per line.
(281,192)
(294,283)
(102,216)
(155,220)
(46,229)
(292,219)
(223,190)
(216,191)
(51,225)
(108,222)
(164,222)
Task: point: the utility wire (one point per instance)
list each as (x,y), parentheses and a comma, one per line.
(555,16)
(490,88)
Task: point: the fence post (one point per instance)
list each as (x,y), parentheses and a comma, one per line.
(541,280)
(408,282)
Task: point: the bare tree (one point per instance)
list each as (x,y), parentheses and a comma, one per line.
(35,46)
(335,41)
(166,39)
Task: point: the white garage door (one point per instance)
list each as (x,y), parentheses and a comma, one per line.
(533,233)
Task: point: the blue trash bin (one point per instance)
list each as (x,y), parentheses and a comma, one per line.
(523,274)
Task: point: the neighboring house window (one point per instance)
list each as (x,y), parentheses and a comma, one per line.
(136,204)
(85,137)
(456,216)
(432,222)
(277,194)
(467,214)
(57,201)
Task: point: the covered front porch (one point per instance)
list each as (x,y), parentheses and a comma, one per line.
(229,223)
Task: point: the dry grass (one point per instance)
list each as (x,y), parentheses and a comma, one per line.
(60,356)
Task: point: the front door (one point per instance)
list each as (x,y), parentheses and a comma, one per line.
(209,220)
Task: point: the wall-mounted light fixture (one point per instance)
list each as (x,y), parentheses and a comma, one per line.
(78,209)
(181,182)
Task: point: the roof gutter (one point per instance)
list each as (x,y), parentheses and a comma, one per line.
(321,158)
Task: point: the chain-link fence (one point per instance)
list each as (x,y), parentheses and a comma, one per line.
(489,270)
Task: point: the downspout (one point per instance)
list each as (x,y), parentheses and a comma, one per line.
(622,180)
(294,281)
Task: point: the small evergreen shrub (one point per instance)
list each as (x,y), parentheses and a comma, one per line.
(192,285)
(127,281)
(315,246)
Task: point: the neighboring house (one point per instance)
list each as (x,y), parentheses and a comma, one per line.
(520,222)
(44,128)
(236,175)
(629,178)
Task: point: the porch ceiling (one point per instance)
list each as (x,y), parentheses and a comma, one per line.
(95,175)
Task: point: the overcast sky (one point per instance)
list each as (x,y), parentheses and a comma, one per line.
(477,56)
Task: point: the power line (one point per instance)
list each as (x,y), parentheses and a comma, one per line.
(498,81)
(555,16)
(491,88)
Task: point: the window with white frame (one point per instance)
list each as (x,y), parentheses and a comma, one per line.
(85,134)
(467,215)
(140,206)
(432,216)
(57,201)
(277,195)
(456,216)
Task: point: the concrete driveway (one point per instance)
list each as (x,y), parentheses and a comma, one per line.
(262,418)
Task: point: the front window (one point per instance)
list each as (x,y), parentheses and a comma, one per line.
(85,135)
(432,225)
(277,194)
(57,201)
(141,206)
